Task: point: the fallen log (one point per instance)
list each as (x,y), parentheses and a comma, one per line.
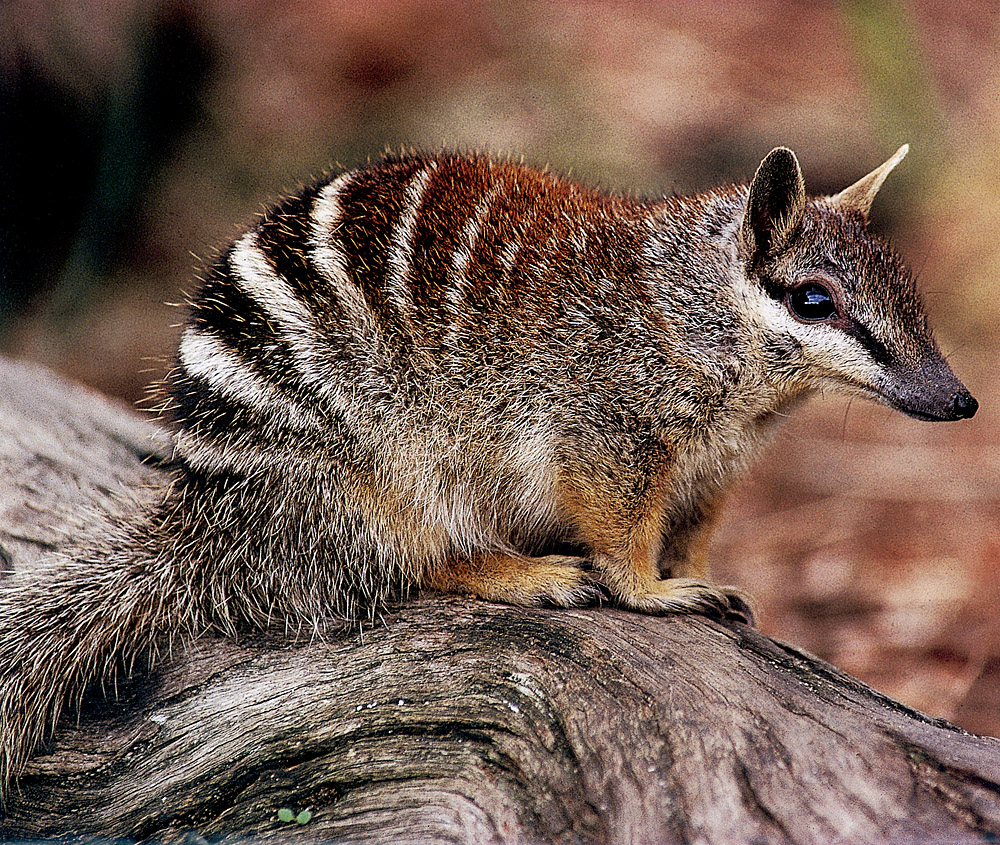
(456,720)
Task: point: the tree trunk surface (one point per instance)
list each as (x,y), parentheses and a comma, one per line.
(458,720)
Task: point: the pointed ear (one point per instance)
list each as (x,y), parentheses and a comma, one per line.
(860,196)
(775,205)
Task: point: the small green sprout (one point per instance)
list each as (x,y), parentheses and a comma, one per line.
(286,815)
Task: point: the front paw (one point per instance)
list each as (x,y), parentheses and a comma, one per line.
(560,581)
(689,595)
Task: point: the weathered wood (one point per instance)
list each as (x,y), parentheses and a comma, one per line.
(457,720)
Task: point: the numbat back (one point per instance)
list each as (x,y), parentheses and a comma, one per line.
(462,374)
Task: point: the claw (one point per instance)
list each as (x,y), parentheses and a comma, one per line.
(740,606)
(689,595)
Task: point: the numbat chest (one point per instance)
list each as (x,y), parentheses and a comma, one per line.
(456,373)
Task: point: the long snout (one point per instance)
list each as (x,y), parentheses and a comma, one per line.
(931,392)
(960,405)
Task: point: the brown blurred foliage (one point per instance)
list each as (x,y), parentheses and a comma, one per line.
(137,135)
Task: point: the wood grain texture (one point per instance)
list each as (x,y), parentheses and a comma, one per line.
(456,720)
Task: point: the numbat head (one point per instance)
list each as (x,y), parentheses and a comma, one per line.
(462,374)
(835,303)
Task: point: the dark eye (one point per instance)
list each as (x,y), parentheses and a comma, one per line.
(812,303)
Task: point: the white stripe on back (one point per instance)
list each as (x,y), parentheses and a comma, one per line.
(206,357)
(253,273)
(258,280)
(460,260)
(329,258)
(401,249)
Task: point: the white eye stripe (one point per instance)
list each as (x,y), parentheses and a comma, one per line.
(824,343)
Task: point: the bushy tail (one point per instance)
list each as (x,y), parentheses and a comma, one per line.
(76,623)
(213,554)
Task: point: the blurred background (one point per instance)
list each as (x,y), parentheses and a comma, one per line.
(138,136)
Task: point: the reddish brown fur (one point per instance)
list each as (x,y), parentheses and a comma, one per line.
(464,374)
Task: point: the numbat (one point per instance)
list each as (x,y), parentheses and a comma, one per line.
(462,374)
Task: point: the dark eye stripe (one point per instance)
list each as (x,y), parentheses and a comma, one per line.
(878,350)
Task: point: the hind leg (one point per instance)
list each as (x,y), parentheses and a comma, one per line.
(559,580)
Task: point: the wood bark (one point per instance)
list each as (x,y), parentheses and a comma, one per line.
(457,720)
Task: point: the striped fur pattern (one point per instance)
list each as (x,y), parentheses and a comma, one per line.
(453,372)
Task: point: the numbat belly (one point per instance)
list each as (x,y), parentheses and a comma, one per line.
(457,373)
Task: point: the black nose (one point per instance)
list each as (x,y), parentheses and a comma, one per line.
(962,405)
